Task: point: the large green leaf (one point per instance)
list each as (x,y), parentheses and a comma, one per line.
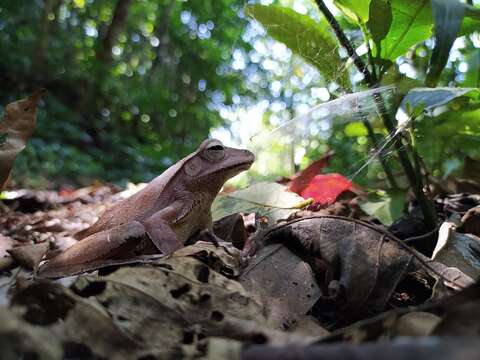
(472,78)
(356,10)
(471,20)
(305,37)
(380,21)
(463,122)
(385,206)
(411,23)
(429,98)
(469,26)
(448,15)
(472,11)
(272,200)
(458,124)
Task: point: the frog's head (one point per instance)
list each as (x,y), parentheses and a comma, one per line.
(213,164)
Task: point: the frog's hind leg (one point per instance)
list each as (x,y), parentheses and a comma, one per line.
(101,246)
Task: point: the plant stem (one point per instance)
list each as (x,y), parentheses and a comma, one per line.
(366,37)
(376,146)
(366,73)
(415,179)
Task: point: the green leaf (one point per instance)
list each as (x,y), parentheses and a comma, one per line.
(463,123)
(386,206)
(431,98)
(380,21)
(471,20)
(411,23)
(267,199)
(469,26)
(356,10)
(305,37)
(472,78)
(448,15)
(472,11)
(355,129)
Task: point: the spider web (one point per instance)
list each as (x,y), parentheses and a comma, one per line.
(318,121)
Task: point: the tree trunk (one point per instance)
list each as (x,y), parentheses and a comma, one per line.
(161,31)
(49,6)
(116,26)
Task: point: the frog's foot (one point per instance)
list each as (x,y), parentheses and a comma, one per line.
(209,236)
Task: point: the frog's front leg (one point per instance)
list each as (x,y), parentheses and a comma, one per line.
(99,246)
(158,226)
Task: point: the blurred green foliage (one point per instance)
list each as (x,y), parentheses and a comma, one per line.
(132,85)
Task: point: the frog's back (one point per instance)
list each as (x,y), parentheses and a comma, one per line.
(139,206)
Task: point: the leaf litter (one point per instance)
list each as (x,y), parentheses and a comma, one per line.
(294,279)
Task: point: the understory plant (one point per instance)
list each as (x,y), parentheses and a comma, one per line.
(407,44)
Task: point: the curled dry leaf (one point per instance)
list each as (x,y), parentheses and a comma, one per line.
(458,250)
(359,264)
(285,285)
(17,126)
(227,261)
(231,229)
(29,256)
(471,221)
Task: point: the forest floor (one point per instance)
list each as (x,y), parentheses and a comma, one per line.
(327,280)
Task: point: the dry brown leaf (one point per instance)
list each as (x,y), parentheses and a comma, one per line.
(419,323)
(29,256)
(157,304)
(458,250)
(471,221)
(231,229)
(21,340)
(227,261)
(360,265)
(284,283)
(17,126)
(72,319)
(461,313)
(6,243)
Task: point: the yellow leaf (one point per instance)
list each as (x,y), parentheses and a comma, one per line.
(79,3)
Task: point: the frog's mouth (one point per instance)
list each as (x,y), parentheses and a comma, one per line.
(244,165)
(237,168)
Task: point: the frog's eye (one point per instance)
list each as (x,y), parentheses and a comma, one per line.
(215,152)
(216,147)
(192,168)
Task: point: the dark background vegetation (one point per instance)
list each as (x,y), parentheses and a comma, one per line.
(131,84)
(134,85)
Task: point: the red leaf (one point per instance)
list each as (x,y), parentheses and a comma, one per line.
(325,188)
(301,181)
